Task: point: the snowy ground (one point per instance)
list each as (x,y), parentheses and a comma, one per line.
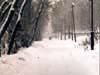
(53,57)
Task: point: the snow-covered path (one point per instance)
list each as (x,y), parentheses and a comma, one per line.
(52,58)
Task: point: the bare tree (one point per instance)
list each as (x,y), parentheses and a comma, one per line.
(12,10)
(15,27)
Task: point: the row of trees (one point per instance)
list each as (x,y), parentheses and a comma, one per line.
(10,18)
(17,27)
(63,15)
(25,21)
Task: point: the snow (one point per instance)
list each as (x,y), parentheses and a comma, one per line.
(52,57)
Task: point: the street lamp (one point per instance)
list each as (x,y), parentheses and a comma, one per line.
(73,22)
(92,27)
(73,4)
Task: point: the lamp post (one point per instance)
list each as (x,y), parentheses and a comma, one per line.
(73,23)
(92,27)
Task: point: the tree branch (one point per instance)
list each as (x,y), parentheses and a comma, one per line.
(36,20)
(15,27)
(3,12)
(3,4)
(8,19)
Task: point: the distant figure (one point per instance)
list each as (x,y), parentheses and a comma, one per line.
(50,38)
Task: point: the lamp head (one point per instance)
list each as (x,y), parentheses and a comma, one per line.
(73,3)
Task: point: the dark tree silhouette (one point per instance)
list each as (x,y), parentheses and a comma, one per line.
(15,29)
(35,30)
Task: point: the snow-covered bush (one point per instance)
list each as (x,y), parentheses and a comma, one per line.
(86,42)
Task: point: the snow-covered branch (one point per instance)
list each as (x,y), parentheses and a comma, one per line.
(3,4)
(3,12)
(16,26)
(8,19)
(6,8)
